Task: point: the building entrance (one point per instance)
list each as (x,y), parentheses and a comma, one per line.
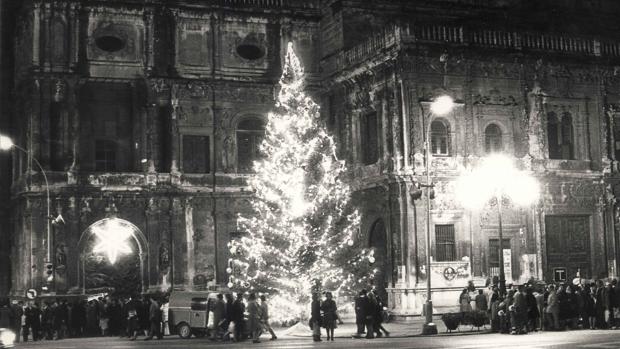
(112,258)
(568,248)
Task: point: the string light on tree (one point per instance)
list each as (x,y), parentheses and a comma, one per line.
(302,235)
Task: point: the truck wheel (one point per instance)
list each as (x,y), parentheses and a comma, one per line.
(184,331)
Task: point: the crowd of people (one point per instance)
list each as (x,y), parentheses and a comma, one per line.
(532,307)
(131,317)
(60,318)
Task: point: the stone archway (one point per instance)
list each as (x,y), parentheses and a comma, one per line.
(126,273)
(378,241)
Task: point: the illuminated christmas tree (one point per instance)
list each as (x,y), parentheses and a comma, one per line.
(302,236)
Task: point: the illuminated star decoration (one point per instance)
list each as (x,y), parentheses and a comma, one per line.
(113,236)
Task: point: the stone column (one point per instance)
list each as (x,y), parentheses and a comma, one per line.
(149,38)
(174,132)
(47,36)
(74,31)
(153,226)
(396,124)
(74,130)
(179,251)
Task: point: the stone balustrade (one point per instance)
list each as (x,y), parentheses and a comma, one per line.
(393,36)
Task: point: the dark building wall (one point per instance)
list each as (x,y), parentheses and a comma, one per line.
(135,111)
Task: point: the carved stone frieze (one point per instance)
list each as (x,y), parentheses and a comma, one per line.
(495,69)
(494,97)
(583,194)
(245,94)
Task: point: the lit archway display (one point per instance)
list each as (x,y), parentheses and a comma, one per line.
(113,235)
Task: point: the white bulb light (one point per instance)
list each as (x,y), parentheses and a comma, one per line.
(442,105)
(6,143)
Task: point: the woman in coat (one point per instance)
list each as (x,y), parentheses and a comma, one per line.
(329,315)
(253,318)
(465,302)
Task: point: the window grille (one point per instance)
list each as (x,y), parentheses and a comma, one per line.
(445,243)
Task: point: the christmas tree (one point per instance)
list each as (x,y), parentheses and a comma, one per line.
(303,234)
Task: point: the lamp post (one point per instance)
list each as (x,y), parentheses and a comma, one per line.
(441,105)
(497,178)
(7,144)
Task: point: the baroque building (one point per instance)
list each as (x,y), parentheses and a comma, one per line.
(151,112)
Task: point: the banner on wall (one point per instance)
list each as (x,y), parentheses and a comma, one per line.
(507,264)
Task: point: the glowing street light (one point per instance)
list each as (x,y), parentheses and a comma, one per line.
(440,106)
(497,178)
(7,144)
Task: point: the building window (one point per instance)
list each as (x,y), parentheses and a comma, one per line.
(494,255)
(440,138)
(369,138)
(560,137)
(444,243)
(493,139)
(107,139)
(105,155)
(196,154)
(250,134)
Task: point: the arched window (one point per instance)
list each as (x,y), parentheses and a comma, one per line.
(560,136)
(250,133)
(440,138)
(493,139)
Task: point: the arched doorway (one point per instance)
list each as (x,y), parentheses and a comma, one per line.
(378,241)
(113,255)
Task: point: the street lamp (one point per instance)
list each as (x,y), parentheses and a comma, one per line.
(7,144)
(497,178)
(441,105)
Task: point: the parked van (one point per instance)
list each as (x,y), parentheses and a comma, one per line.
(188,312)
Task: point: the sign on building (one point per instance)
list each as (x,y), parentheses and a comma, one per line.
(507,263)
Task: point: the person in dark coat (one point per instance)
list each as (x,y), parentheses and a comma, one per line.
(532,309)
(315,317)
(616,301)
(253,323)
(78,317)
(330,315)
(133,325)
(238,308)
(5,313)
(17,310)
(589,312)
(33,322)
(574,302)
(565,309)
(519,321)
(610,305)
(154,320)
(361,306)
(143,316)
(61,318)
(378,315)
(481,301)
(228,315)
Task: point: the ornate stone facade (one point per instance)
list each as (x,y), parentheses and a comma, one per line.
(521,82)
(133,109)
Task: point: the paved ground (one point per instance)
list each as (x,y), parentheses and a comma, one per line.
(581,339)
